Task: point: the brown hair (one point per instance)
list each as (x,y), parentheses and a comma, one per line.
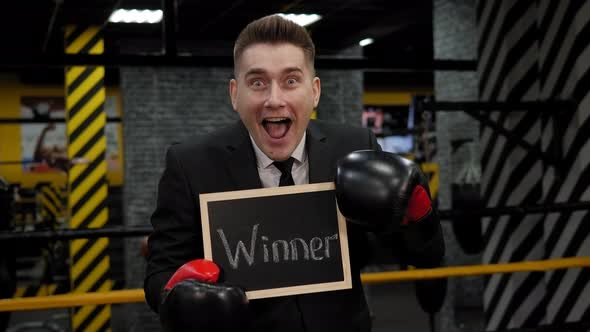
(274,29)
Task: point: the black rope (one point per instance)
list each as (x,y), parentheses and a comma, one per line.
(68,234)
(507,106)
(515,210)
(45,120)
(146,230)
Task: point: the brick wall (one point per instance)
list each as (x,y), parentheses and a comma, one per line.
(342,96)
(455,38)
(161,106)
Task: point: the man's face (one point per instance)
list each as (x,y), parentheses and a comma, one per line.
(275,92)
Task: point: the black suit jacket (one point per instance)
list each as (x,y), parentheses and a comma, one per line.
(225,161)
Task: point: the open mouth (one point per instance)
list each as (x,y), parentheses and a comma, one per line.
(276,127)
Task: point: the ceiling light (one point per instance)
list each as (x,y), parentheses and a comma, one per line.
(136,16)
(366,41)
(302,19)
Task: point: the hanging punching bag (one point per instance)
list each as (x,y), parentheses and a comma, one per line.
(465,191)
(467,229)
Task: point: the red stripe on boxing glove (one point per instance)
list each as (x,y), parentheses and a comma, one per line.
(419,206)
(199,269)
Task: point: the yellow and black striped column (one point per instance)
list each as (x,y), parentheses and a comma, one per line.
(51,204)
(87,182)
(40,290)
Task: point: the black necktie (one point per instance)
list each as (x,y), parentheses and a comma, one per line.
(285,168)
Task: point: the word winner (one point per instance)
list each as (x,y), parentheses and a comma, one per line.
(293,250)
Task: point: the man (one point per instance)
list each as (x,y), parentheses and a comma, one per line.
(274,92)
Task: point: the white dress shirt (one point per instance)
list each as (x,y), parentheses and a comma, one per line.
(270,175)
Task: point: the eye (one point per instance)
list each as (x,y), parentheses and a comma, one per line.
(292,81)
(257,83)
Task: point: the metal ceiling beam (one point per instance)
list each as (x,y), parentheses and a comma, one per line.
(388,23)
(169,27)
(322,62)
(217,18)
(58,3)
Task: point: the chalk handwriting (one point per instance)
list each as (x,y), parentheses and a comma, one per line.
(235,259)
(295,249)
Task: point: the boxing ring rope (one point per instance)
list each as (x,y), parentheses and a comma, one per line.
(92,233)
(474,270)
(137,295)
(72,300)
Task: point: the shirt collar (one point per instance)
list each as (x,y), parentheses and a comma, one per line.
(263,161)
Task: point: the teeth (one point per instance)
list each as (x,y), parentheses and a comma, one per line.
(276,119)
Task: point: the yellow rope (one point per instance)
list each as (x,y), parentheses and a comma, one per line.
(473,270)
(72,300)
(137,295)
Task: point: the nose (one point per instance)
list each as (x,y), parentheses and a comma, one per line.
(275,97)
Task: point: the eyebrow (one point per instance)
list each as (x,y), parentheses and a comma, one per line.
(257,71)
(293,69)
(254,71)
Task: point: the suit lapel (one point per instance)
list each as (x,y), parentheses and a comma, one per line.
(318,152)
(242,161)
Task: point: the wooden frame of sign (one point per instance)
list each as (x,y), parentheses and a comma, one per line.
(280,241)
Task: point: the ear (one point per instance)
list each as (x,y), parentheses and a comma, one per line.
(233,93)
(317,90)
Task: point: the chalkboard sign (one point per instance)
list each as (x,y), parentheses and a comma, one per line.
(277,241)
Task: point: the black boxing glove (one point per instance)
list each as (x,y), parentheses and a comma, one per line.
(381,190)
(193,301)
(386,193)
